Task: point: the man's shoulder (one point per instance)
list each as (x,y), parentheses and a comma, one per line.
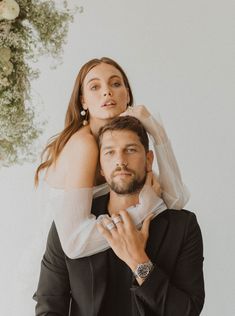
(178,226)
(183,213)
(179,217)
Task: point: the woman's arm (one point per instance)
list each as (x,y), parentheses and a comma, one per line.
(77,228)
(75,225)
(72,206)
(174,192)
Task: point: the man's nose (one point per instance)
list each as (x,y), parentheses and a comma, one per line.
(121,160)
(121,164)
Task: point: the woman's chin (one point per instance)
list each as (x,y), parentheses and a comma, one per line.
(111,115)
(107,116)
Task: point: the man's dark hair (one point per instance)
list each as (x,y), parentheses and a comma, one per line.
(128,123)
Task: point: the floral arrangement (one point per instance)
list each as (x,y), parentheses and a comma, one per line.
(28,29)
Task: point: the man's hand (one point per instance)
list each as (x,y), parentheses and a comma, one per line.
(125,239)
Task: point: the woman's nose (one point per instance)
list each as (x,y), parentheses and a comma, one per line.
(107,91)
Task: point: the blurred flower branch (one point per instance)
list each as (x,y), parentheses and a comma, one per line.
(28,29)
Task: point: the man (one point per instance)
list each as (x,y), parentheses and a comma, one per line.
(155,270)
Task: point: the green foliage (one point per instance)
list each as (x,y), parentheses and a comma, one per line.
(40,28)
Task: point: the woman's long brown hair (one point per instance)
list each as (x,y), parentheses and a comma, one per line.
(73,119)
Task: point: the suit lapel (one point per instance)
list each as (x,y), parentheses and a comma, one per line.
(99,205)
(157,231)
(98,262)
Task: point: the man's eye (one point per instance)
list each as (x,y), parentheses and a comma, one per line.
(131,150)
(108,153)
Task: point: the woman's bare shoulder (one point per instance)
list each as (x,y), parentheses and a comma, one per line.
(80,150)
(81,137)
(80,142)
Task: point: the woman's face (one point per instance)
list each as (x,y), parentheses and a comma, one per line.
(104,92)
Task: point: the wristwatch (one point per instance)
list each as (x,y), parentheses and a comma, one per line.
(143,269)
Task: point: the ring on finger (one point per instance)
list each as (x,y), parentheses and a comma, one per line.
(102,217)
(110,226)
(117,219)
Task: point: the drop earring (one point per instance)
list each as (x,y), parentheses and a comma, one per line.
(85,114)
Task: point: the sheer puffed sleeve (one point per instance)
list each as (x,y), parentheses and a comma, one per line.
(76,226)
(175,194)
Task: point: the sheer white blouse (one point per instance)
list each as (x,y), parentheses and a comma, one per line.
(71,209)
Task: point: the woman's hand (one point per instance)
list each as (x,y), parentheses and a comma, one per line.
(138,111)
(152,126)
(152,180)
(125,239)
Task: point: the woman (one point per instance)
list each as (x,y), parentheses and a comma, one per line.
(101,92)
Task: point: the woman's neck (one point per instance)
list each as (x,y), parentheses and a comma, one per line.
(96,124)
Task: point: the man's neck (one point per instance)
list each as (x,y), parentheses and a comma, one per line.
(119,202)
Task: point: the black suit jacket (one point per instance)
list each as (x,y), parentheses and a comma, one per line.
(175,287)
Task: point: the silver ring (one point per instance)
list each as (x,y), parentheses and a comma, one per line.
(117,219)
(101,217)
(110,226)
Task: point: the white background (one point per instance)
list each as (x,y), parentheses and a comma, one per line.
(178,57)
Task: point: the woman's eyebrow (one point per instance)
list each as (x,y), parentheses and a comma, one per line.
(111,77)
(92,80)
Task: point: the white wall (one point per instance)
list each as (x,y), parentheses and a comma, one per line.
(178,56)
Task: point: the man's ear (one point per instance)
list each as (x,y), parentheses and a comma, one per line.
(149,160)
(101,172)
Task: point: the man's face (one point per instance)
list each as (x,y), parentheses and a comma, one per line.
(124,162)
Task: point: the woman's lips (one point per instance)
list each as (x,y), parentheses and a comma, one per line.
(110,103)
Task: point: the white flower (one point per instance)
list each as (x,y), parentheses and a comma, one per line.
(9,9)
(7,68)
(4,82)
(5,54)
(6,65)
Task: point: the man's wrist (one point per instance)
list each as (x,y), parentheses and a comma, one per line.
(143,270)
(137,260)
(141,267)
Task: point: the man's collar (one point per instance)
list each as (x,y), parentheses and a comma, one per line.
(100,205)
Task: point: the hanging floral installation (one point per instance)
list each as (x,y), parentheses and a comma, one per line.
(28,29)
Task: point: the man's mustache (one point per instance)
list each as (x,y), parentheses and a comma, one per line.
(124,169)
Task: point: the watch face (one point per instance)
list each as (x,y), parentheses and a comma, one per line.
(143,270)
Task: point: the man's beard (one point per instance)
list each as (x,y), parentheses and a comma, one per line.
(134,186)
